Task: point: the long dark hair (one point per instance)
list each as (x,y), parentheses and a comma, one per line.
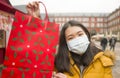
(62,59)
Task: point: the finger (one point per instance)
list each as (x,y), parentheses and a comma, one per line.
(30,5)
(60,75)
(37,4)
(28,8)
(33,5)
(53,74)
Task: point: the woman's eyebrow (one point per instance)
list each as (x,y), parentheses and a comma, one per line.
(75,33)
(69,35)
(79,32)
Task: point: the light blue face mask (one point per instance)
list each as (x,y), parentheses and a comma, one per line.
(78,45)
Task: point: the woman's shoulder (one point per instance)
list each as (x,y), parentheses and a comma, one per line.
(107,58)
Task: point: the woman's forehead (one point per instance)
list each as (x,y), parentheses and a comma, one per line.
(73,29)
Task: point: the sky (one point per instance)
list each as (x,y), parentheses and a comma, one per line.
(75,6)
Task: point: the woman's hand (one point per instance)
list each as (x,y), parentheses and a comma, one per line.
(59,75)
(33,9)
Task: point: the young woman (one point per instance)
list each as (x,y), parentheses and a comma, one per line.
(78,57)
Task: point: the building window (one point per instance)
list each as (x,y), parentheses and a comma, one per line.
(63,19)
(85,24)
(85,19)
(75,18)
(101,24)
(98,24)
(67,19)
(56,19)
(100,19)
(92,25)
(59,19)
(93,19)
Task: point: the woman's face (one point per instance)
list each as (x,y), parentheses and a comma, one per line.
(73,32)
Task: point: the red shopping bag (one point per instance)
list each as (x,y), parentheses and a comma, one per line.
(31,48)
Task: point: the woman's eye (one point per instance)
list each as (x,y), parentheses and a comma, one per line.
(80,34)
(70,38)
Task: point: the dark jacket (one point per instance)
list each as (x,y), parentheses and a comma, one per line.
(104,41)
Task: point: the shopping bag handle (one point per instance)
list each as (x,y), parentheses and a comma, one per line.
(46,14)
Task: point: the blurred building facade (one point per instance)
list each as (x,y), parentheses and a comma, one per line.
(96,23)
(113,23)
